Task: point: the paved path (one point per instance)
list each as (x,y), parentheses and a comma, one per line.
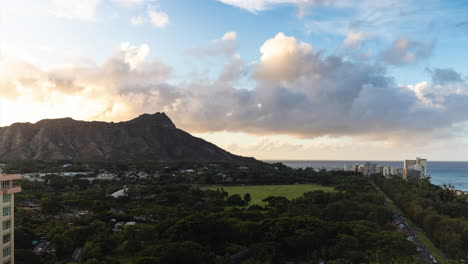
(401,223)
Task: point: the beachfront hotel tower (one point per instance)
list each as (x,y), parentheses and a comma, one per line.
(415,169)
(7,217)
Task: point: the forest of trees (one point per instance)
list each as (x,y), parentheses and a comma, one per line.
(177,222)
(442,214)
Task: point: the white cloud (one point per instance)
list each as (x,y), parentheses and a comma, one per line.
(138,20)
(157,17)
(283,59)
(231,35)
(129,2)
(79,9)
(134,56)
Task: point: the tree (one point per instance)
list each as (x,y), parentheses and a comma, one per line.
(50,206)
(235,200)
(25,256)
(247,198)
(63,245)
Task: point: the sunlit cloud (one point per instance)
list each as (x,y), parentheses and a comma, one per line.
(80,9)
(298,92)
(157,17)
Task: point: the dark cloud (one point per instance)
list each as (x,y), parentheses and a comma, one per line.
(444,76)
(406,51)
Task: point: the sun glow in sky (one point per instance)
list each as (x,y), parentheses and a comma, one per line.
(273,79)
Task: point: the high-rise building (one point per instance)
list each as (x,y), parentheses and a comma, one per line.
(415,169)
(356,167)
(370,168)
(7,217)
(386,170)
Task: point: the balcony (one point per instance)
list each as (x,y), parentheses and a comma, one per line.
(11,190)
(10,177)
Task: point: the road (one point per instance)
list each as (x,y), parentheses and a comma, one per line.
(424,253)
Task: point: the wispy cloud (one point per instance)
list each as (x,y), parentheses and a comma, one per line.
(406,51)
(130,2)
(79,9)
(227,45)
(137,20)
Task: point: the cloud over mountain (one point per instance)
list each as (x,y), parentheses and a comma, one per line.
(297,91)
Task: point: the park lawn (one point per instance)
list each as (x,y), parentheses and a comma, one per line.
(260,192)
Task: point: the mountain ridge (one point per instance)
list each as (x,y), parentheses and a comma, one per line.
(146,137)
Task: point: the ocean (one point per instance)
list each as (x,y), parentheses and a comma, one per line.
(441,172)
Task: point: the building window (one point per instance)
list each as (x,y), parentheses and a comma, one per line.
(6,198)
(7,262)
(6,224)
(6,238)
(6,210)
(5,184)
(6,252)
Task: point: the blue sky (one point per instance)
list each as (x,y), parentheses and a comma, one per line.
(274,79)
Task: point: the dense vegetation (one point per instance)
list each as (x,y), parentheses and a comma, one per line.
(442,214)
(177,222)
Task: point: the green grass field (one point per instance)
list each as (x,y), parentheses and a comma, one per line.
(260,192)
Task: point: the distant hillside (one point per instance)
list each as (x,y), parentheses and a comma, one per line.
(147,137)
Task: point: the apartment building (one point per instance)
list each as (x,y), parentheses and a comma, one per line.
(7,217)
(415,169)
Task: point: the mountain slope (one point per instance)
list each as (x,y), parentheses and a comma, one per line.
(147,137)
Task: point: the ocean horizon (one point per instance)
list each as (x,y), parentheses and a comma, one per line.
(441,172)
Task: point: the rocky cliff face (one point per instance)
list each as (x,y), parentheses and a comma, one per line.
(147,137)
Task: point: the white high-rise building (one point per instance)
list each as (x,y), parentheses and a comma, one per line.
(7,217)
(387,171)
(415,169)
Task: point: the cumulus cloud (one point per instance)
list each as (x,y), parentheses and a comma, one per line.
(284,59)
(80,9)
(406,51)
(299,91)
(227,45)
(157,17)
(444,76)
(137,20)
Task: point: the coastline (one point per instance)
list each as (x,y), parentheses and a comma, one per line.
(441,172)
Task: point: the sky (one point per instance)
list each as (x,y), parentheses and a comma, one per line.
(272,79)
